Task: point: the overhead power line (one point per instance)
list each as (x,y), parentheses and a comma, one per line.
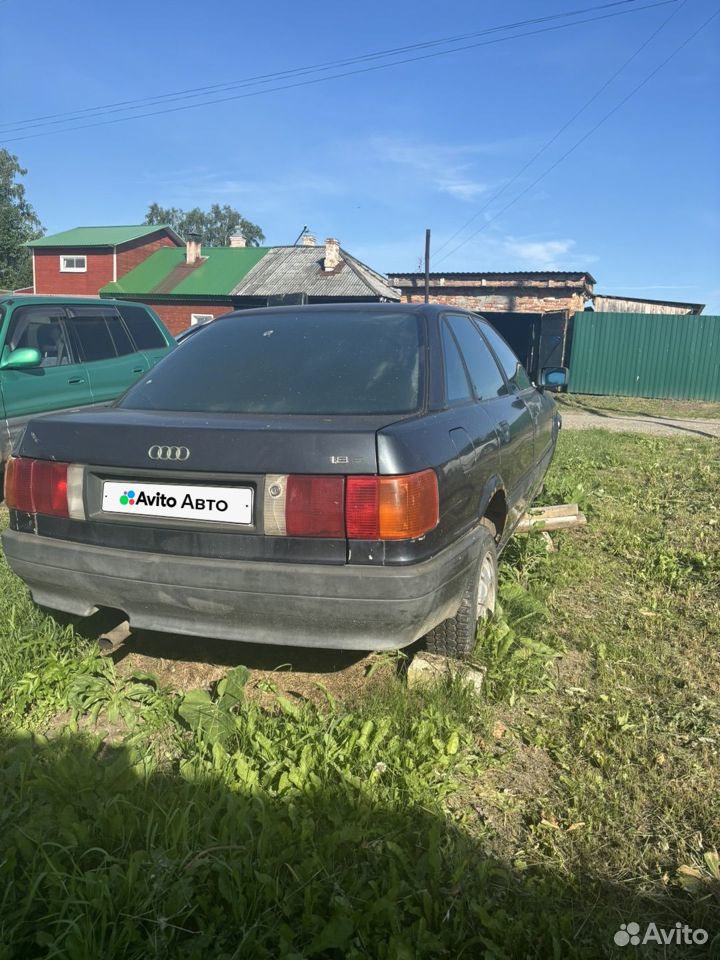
(191,92)
(548,143)
(587,135)
(336,76)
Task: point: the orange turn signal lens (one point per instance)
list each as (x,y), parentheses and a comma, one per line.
(408,506)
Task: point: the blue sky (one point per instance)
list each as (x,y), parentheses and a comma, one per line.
(375,158)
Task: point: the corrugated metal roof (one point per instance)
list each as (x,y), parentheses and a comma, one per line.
(220,269)
(101,236)
(601,298)
(499,275)
(251,272)
(300,270)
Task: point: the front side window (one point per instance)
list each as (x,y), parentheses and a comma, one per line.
(484,372)
(41,328)
(74,264)
(299,362)
(514,370)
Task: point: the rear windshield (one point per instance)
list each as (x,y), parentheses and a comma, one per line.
(291,363)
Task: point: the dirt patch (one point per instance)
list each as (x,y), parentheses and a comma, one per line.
(190,663)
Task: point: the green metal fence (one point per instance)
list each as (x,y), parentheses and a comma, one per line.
(646,355)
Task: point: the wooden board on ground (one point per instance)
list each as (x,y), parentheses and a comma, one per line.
(562,516)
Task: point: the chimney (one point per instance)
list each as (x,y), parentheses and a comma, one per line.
(238,240)
(308,240)
(332,254)
(192,248)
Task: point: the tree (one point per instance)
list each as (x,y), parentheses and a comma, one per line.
(18,224)
(215,225)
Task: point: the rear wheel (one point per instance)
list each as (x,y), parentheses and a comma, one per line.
(456,636)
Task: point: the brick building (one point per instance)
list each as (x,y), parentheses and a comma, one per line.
(536,291)
(80,261)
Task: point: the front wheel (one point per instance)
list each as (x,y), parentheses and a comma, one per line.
(456,637)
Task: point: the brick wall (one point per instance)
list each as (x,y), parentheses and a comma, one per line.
(133,253)
(571,302)
(176,317)
(49,279)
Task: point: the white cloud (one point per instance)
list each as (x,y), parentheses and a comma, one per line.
(543,254)
(448,169)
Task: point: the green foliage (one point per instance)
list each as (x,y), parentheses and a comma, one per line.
(18,224)
(579,791)
(515,646)
(215,225)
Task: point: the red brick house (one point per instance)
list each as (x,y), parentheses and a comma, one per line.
(80,261)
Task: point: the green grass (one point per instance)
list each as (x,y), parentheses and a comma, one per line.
(581,790)
(640,406)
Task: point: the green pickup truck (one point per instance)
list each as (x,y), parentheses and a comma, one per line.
(59,353)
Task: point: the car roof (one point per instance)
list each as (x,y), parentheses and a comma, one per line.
(34,298)
(424,309)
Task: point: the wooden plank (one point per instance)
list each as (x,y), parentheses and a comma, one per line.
(560,510)
(528,523)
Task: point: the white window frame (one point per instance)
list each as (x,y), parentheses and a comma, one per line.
(67,256)
(196,318)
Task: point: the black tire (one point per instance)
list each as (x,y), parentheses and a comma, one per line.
(456,637)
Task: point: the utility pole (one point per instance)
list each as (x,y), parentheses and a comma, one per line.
(427,265)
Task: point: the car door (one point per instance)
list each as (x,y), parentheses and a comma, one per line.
(472,435)
(540,406)
(509,415)
(112,360)
(61,380)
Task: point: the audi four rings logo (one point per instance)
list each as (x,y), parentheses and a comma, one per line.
(168,453)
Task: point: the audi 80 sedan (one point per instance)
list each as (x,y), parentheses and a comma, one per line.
(329,476)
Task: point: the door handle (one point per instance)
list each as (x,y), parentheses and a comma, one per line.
(504,427)
(76,380)
(138,369)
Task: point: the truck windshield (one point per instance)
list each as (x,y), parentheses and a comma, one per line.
(304,362)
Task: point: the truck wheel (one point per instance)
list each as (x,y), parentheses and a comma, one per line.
(456,636)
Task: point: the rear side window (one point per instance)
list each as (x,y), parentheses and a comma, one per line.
(457,387)
(484,372)
(143,329)
(299,362)
(514,370)
(99,333)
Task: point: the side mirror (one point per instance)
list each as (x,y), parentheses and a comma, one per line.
(21,359)
(553,378)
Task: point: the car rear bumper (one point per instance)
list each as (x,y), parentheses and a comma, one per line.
(314,605)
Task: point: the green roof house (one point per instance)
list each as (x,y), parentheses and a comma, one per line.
(195,284)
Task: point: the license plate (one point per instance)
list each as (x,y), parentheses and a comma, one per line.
(178,501)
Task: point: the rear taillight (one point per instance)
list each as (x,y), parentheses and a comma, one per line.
(314,506)
(360,508)
(44,486)
(392,508)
